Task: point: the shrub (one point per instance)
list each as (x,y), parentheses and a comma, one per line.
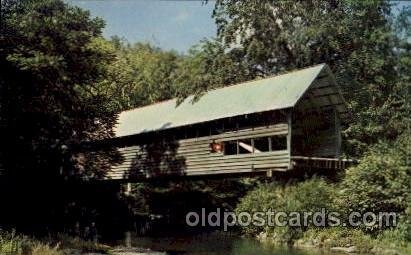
(381,182)
(308,196)
(401,234)
(339,237)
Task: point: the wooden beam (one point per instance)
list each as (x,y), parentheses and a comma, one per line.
(325,95)
(289,121)
(337,127)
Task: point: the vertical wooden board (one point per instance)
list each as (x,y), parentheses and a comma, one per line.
(289,135)
(337,124)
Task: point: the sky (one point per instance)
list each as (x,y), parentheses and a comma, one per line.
(171,25)
(176,25)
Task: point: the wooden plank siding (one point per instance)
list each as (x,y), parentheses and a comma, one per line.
(194,157)
(316,132)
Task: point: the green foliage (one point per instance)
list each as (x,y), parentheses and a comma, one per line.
(381,182)
(11,243)
(140,75)
(52,60)
(208,65)
(392,241)
(398,236)
(338,237)
(51,57)
(310,196)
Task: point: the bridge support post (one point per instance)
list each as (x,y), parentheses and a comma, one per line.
(289,122)
(127,189)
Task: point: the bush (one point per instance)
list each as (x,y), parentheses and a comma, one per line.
(308,196)
(401,234)
(390,241)
(339,237)
(381,182)
(261,199)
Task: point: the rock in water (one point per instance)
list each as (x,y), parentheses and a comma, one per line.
(350,249)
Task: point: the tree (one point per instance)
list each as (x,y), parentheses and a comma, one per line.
(380,182)
(52,57)
(140,75)
(50,60)
(208,65)
(358,39)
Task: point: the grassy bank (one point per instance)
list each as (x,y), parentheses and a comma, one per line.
(312,195)
(388,242)
(12,243)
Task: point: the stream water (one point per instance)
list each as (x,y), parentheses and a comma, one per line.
(211,243)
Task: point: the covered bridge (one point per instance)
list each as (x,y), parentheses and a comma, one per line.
(278,123)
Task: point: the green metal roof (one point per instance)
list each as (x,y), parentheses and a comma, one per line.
(273,93)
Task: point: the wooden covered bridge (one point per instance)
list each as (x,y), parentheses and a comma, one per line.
(279,123)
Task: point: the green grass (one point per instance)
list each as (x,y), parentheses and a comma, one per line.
(385,243)
(12,243)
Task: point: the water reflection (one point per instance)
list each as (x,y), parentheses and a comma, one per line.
(211,243)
